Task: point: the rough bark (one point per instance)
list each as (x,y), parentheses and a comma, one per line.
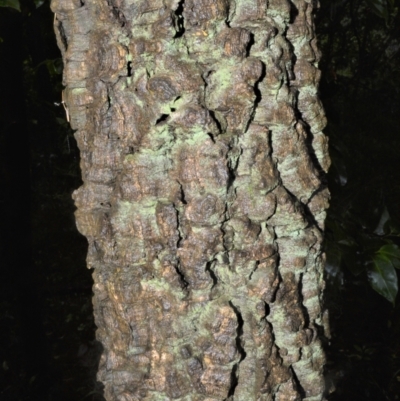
(203,200)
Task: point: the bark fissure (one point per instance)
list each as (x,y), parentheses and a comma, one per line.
(161,119)
(240,348)
(178,227)
(303,307)
(180,21)
(298,384)
(182,278)
(210,271)
(182,194)
(248,48)
(118,14)
(129,69)
(255,269)
(61,34)
(215,119)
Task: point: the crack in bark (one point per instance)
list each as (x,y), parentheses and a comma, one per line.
(308,141)
(312,222)
(257,91)
(248,48)
(60,32)
(227,20)
(301,304)
(254,270)
(222,228)
(162,118)
(208,269)
(178,227)
(232,167)
(211,136)
(267,309)
(129,68)
(278,258)
(240,348)
(118,14)
(185,284)
(213,116)
(180,21)
(299,387)
(182,194)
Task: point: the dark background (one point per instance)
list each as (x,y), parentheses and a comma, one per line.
(47,347)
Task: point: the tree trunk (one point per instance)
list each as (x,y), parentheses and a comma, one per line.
(203,199)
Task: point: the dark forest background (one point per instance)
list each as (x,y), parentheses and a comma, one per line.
(47,346)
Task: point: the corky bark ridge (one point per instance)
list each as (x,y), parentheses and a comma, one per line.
(203,200)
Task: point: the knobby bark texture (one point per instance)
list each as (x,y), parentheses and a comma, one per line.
(203,199)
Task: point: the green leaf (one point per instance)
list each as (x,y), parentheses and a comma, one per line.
(392,253)
(10,3)
(383,278)
(382,227)
(38,3)
(382,8)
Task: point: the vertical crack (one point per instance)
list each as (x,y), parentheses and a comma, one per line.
(249,45)
(179,20)
(63,35)
(118,14)
(255,268)
(240,348)
(301,303)
(208,269)
(181,235)
(222,228)
(232,157)
(257,90)
(129,69)
(214,117)
(309,140)
(299,387)
(278,260)
(232,162)
(178,227)
(267,310)
(182,194)
(182,279)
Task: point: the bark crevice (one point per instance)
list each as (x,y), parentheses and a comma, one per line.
(240,349)
(179,20)
(211,272)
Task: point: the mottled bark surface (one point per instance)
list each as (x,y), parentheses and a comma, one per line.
(202,154)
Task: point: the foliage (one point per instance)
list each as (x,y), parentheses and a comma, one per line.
(383,8)
(382,273)
(15,4)
(364,247)
(10,3)
(360,43)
